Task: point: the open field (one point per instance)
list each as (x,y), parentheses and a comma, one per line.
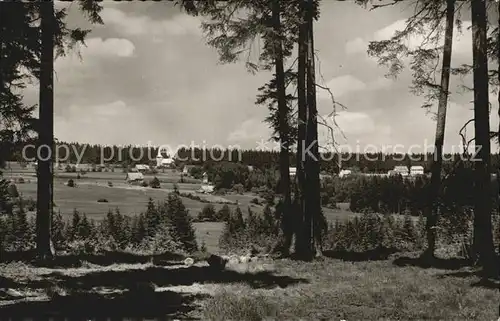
(132,199)
(329,289)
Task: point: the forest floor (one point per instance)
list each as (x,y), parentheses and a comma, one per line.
(339,287)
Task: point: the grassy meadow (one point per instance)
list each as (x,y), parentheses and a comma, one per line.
(132,200)
(339,286)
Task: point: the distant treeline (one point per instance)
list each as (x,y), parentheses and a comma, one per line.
(131,155)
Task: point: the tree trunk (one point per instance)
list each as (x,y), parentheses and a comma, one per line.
(284,159)
(498,75)
(313,206)
(45,133)
(303,236)
(483,237)
(437,162)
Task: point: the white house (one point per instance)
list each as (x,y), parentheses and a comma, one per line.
(84,167)
(163,161)
(402,170)
(141,167)
(134,177)
(416,170)
(345,172)
(207,188)
(293,171)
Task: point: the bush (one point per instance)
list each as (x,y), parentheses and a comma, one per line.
(224,214)
(20,180)
(255,201)
(203,247)
(155,183)
(253,232)
(71,183)
(238,188)
(144,184)
(12,190)
(110,184)
(102,200)
(207,214)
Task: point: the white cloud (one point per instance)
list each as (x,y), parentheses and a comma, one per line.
(345,84)
(97,112)
(380,83)
(250,131)
(358,127)
(95,49)
(96,121)
(342,85)
(108,48)
(356,45)
(462,41)
(181,24)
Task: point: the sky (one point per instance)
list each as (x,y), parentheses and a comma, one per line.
(147,76)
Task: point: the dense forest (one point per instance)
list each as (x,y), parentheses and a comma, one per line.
(130,155)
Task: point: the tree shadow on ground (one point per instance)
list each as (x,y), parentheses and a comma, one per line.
(137,297)
(483,282)
(83,306)
(436,263)
(172,277)
(105,258)
(377,254)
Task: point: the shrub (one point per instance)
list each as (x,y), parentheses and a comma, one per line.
(110,184)
(255,201)
(254,231)
(20,180)
(12,190)
(102,200)
(224,214)
(144,184)
(203,247)
(239,188)
(71,183)
(164,227)
(154,183)
(207,214)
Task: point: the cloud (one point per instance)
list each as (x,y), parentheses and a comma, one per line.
(97,112)
(380,83)
(343,85)
(110,47)
(95,49)
(179,25)
(250,131)
(462,39)
(358,128)
(95,121)
(356,45)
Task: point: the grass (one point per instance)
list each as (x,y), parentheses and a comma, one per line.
(93,186)
(130,200)
(209,232)
(359,291)
(328,289)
